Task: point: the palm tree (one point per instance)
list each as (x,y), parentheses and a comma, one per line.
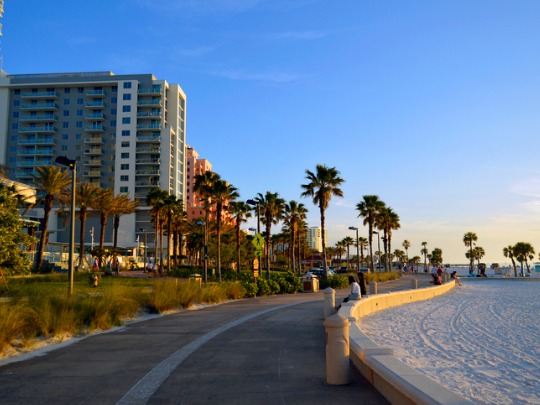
(436,256)
(272,207)
(295,214)
(522,250)
(388,220)
(86,195)
(509,252)
(363,242)
(240,212)
(121,205)
(222,194)
(156,199)
(406,245)
(53,185)
(424,251)
(348,241)
(468,239)
(179,226)
(368,208)
(478,253)
(323,184)
(104,206)
(170,204)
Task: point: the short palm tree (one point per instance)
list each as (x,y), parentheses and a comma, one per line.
(295,214)
(104,206)
(322,185)
(522,250)
(348,241)
(369,208)
(53,186)
(424,251)
(272,207)
(509,252)
(121,205)
(363,244)
(156,199)
(406,245)
(468,239)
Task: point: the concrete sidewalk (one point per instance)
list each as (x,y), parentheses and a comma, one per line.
(254,351)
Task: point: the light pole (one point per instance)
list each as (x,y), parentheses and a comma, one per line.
(353,228)
(92,240)
(257,204)
(205,250)
(379,247)
(72,164)
(145,246)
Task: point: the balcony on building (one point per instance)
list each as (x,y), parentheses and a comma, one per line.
(93,140)
(39,118)
(96,127)
(147,172)
(92,173)
(149,115)
(147,161)
(98,115)
(93,162)
(153,126)
(147,138)
(95,93)
(150,102)
(35,151)
(39,94)
(35,140)
(156,90)
(147,149)
(93,151)
(48,129)
(39,106)
(96,104)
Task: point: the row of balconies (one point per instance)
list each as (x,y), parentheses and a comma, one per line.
(36,118)
(41,128)
(40,106)
(36,140)
(40,94)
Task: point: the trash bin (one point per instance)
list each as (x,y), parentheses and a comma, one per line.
(310,282)
(197,278)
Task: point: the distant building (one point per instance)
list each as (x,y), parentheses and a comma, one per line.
(314,238)
(194,166)
(126,133)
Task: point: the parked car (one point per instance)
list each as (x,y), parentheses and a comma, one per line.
(320,272)
(342,270)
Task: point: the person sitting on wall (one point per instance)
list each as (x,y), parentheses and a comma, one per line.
(362,283)
(355,290)
(454,276)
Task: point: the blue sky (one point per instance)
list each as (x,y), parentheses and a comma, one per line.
(432,105)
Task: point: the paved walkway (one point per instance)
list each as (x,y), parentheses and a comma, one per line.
(254,351)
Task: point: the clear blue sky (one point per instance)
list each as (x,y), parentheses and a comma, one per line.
(432,105)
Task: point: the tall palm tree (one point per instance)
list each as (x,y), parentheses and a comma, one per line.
(324,183)
(86,195)
(406,245)
(156,199)
(179,225)
(478,253)
(509,252)
(388,221)
(222,194)
(368,208)
(295,214)
(104,206)
(348,241)
(468,239)
(424,251)
(121,205)
(240,212)
(363,242)
(272,207)
(53,184)
(169,205)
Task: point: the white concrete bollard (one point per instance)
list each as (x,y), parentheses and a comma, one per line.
(414,284)
(329,302)
(373,287)
(337,350)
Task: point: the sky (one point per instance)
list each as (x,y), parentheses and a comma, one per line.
(431,105)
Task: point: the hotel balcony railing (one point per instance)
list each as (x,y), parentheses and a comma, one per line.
(35,152)
(146,161)
(146,172)
(94,128)
(47,129)
(148,115)
(95,104)
(94,151)
(92,173)
(32,140)
(39,106)
(41,117)
(95,93)
(39,94)
(93,162)
(148,138)
(98,116)
(156,90)
(146,183)
(151,127)
(149,102)
(147,150)
(93,140)
(35,163)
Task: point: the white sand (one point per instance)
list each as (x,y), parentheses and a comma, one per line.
(481,340)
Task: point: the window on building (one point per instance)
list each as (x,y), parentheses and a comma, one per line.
(113,123)
(67,101)
(126,108)
(113,111)
(65,137)
(114,88)
(16,114)
(125,144)
(127,85)
(114,100)
(78,124)
(66,113)
(126,96)
(65,124)
(15,126)
(124,189)
(80,101)
(80,90)
(124,166)
(16,103)
(17,92)
(126,120)
(77,136)
(64,148)
(126,132)
(67,90)
(124,155)
(124,178)
(79,113)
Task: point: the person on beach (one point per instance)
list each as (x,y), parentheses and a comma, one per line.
(454,276)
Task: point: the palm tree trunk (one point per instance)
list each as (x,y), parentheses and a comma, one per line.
(325,267)
(46,213)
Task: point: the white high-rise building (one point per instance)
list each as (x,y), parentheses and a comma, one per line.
(126,133)
(314,238)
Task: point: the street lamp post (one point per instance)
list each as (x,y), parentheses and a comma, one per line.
(205,251)
(72,164)
(257,204)
(379,247)
(353,228)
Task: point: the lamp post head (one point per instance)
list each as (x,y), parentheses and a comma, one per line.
(65,161)
(375,232)
(353,228)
